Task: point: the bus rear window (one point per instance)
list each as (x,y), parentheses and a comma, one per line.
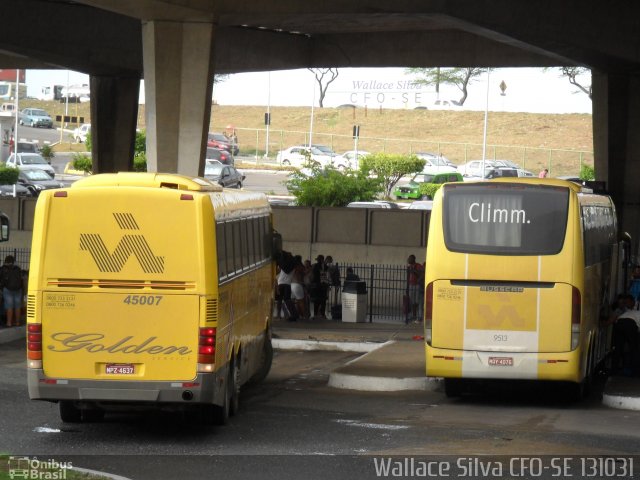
(505,219)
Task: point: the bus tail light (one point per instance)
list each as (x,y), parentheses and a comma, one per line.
(576,314)
(428,312)
(34,345)
(206,349)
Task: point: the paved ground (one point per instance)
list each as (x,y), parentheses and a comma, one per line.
(393,357)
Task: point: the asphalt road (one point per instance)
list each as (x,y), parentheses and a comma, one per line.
(294,426)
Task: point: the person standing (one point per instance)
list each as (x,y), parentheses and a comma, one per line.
(319,286)
(11,280)
(414,274)
(544,173)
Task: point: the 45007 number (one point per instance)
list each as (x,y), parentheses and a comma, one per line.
(143,299)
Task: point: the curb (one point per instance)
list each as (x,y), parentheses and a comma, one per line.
(97,473)
(315,345)
(346,381)
(621,402)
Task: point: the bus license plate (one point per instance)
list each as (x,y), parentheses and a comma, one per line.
(501,361)
(119,369)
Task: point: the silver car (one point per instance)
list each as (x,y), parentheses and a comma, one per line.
(30,160)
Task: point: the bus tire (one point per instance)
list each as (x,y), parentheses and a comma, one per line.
(217,414)
(234,387)
(92,415)
(266,359)
(453,387)
(69,413)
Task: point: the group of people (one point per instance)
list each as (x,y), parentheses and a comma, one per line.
(303,288)
(625,317)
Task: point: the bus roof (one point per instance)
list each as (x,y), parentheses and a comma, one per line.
(149,180)
(553,182)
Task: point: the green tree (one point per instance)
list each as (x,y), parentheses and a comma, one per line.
(587,173)
(460,77)
(328,187)
(47,152)
(390,168)
(8,175)
(82,162)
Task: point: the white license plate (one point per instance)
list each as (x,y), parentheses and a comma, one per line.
(119,369)
(501,361)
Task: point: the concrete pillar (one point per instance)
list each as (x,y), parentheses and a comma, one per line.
(616,137)
(178,73)
(114,116)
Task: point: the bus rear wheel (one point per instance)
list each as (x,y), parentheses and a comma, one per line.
(453,387)
(234,386)
(266,359)
(69,413)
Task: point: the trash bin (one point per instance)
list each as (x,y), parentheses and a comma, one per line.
(354,302)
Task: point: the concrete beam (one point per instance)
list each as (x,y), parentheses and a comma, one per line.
(616,121)
(178,71)
(114,116)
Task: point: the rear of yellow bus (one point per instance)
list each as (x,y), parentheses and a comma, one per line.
(505,283)
(122,294)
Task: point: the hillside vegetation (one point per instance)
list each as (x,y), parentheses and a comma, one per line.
(561,142)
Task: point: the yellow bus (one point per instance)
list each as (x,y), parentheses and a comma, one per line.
(149,289)
(520,273)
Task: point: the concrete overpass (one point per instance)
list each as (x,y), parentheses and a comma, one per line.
(177,45)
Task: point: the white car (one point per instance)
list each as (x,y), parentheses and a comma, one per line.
(295,156)
(24,161)
(473,168)
(349,159)
(80,133)
(435,163)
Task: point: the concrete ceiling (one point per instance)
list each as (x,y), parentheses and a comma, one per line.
(103,37)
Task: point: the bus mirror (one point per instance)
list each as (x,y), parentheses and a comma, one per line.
(4,228)
(276,245)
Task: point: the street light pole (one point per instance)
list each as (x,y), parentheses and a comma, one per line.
(268,122)
(484,135)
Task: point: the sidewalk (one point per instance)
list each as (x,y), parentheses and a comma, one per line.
(395,358)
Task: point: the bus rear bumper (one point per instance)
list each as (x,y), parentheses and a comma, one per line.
(562,366)
(205,388)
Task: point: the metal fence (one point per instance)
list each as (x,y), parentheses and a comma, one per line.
(22,256)
(386,287)
(253,142)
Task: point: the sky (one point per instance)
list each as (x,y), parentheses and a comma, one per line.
(527,89)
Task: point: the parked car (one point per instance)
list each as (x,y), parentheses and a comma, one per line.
(219,140)
(412,189)
(20,190)
(35,117)
(436,162)
(295,156)
(374,204)
(26,147)
(495,172)
(36,180)
(224,175)
(521,171)
(473,168)
(80,133)
(325,149)
(30,160)
(421,205)
(349,159)
(223,156)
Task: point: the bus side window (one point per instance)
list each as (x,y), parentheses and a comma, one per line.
(237,245)
(222,251)
(244,234)
(228,235)
(250,242)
